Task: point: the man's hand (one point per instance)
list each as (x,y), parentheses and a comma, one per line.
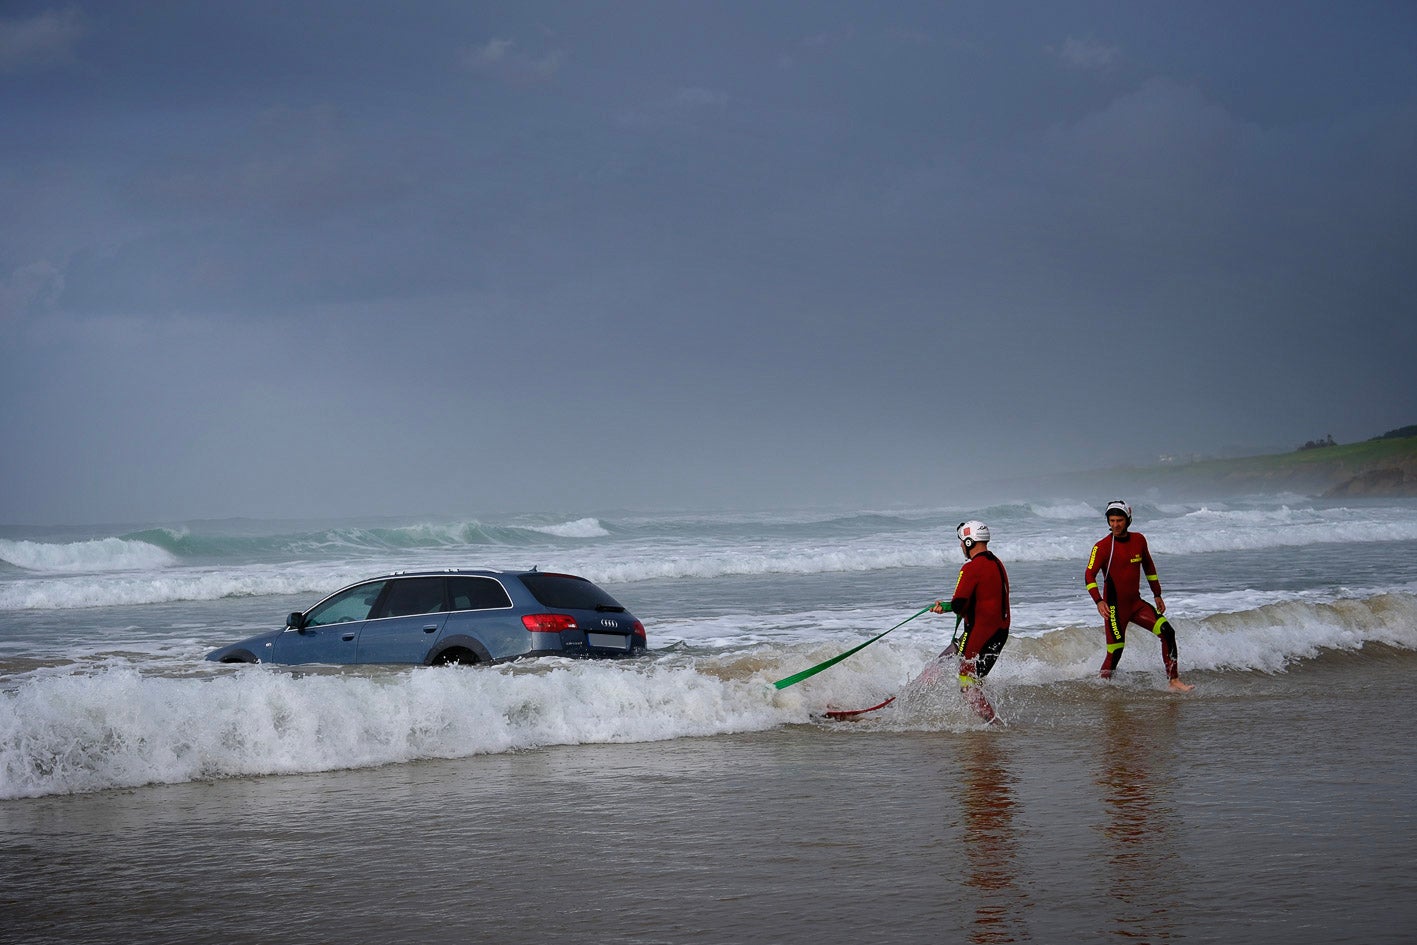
(1160,605)
(1102,609)
(939,608)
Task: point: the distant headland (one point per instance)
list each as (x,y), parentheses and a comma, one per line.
(1383,467)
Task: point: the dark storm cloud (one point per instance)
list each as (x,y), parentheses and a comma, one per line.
(256,257)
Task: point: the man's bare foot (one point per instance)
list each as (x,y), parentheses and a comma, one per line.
(1179,686)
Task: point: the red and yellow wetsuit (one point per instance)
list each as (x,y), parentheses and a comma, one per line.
(1122,563)
(981,599)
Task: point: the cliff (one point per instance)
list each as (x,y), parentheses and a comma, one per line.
(1398,479)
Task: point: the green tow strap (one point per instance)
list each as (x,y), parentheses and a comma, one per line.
(807,673)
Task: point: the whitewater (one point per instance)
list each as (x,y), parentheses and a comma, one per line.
(103,630)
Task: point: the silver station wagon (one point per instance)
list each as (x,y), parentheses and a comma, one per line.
(455,616)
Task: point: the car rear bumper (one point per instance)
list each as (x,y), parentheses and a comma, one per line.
(580,643)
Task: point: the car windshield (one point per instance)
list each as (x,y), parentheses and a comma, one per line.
(567,592)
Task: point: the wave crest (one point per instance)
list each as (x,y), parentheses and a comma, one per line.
(103,554)
(118,728)
(580,528)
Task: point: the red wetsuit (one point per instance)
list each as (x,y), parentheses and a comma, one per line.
(1122,564)
(981,598)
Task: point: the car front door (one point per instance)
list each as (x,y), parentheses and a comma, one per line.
(406,623)
(329,632)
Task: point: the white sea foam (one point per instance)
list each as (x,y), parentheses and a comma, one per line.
(1066,511)
(1216,529)
(787,560)
(114,572)
(580,528)
(104,554)
(118,728)
(709,547)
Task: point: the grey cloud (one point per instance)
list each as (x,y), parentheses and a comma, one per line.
(42,41)
(1087,54)
(500,59)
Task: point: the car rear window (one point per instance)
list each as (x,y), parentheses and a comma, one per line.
(567,592)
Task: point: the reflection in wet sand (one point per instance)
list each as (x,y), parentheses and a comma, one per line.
(1138,794)
(988,803)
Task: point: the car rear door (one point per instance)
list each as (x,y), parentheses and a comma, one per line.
(406,622)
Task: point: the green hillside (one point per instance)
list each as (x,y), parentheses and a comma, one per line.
(1385,466)
(1381,467)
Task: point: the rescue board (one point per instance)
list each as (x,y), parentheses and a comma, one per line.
(843,714)
(927,675)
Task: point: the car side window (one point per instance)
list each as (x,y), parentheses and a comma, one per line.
(475,593)
(412,596)
(353,604)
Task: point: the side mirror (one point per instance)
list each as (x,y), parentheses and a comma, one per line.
(295,621)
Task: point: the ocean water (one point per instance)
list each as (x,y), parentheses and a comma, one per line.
(141,785)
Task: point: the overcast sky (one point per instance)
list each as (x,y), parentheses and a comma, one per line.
(308,259)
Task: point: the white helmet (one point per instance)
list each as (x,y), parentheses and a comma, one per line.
(972,532)
(1118,507)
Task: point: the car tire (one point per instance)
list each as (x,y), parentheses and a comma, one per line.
(456,656)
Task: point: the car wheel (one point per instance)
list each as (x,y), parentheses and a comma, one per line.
(457,656)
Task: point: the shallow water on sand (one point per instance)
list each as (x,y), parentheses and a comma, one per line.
(1261,808)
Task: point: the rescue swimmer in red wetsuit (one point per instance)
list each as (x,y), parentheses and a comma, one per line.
(981,600)
(1122,559)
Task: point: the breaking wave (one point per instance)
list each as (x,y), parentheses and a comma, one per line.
(103,554)
(121,724)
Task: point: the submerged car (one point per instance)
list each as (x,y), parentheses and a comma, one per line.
(454,616)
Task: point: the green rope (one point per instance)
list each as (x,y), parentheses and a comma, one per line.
(806,673)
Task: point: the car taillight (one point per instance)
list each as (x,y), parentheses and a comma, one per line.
(638,631)
(549,623)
